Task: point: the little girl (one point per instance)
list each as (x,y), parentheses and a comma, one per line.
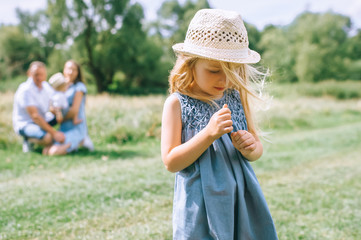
(209,134)
(59,102)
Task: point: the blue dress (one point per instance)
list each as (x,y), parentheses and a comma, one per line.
(74,134)
(218,196)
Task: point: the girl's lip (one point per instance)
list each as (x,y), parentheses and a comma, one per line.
(219,88)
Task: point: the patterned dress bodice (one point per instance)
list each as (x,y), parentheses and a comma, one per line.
(196,113)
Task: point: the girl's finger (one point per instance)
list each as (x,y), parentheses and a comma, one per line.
(224,111)
(251,147)
(227,123)
(228,129)
(221,115)
(246,143)
(246,136)
(241,132)
(236,137)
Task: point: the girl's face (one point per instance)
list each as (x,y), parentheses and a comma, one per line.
(210,78)
(70,71)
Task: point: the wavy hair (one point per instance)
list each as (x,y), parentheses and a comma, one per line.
(247,80)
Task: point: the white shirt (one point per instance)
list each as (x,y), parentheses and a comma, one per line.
(28,94)
(59,100)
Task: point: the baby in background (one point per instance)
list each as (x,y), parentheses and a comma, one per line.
(59,102)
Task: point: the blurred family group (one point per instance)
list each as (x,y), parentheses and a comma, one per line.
(52,113)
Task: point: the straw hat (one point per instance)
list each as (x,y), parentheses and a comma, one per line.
(218,35)
(57,80)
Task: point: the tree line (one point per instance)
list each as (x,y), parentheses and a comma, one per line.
(121,51)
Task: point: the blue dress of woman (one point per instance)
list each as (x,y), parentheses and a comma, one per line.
(76,134)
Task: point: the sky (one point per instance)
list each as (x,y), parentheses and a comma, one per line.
(257,12)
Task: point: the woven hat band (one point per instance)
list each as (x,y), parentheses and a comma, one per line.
(216,52)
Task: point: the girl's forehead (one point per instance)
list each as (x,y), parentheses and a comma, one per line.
(210,63)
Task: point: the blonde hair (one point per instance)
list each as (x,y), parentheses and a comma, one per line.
(241,77)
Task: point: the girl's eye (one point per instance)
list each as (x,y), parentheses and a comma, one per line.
(214,71)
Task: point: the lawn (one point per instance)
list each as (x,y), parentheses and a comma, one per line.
(310,171)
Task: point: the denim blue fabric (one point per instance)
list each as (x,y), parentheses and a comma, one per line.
(218,196)
(31,130)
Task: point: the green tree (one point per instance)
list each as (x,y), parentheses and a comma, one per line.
(278,54)
(91,25)
(106,36)
(318,40)
(17,50)
(353,56)
(174,18)
(37,24)
(311,48)
(254,36)
(353,46)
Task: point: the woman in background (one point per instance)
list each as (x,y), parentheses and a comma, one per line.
(76,135)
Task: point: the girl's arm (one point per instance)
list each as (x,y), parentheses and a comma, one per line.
(58,115)
(74,109)
(177,156)
(248,144)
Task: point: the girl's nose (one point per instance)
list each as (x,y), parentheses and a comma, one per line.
(223,78)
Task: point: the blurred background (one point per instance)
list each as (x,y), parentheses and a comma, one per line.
(310,171)
(125,46)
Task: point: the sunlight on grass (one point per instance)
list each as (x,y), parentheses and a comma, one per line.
(310,173)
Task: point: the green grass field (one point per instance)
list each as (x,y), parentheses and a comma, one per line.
(310,171)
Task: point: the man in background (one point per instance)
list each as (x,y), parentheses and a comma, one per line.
(31,105)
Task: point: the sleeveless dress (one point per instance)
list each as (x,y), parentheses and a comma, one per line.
(218,196)
(74,134)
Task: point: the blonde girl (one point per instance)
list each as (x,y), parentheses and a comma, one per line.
(209,134)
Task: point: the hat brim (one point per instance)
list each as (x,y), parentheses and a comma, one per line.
(253,56)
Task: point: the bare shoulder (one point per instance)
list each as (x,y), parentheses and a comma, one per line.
(172,107)
(172,100)
(172,104)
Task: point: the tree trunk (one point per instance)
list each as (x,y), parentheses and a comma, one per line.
(100,79)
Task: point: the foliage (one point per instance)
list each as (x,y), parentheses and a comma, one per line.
(17,50)
(278,54)
(105,36)
(254,36)
(173,20)
(312,48)
(123,53)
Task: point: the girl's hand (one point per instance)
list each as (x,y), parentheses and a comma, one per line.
(244,142)
(220,123)
(76,121)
